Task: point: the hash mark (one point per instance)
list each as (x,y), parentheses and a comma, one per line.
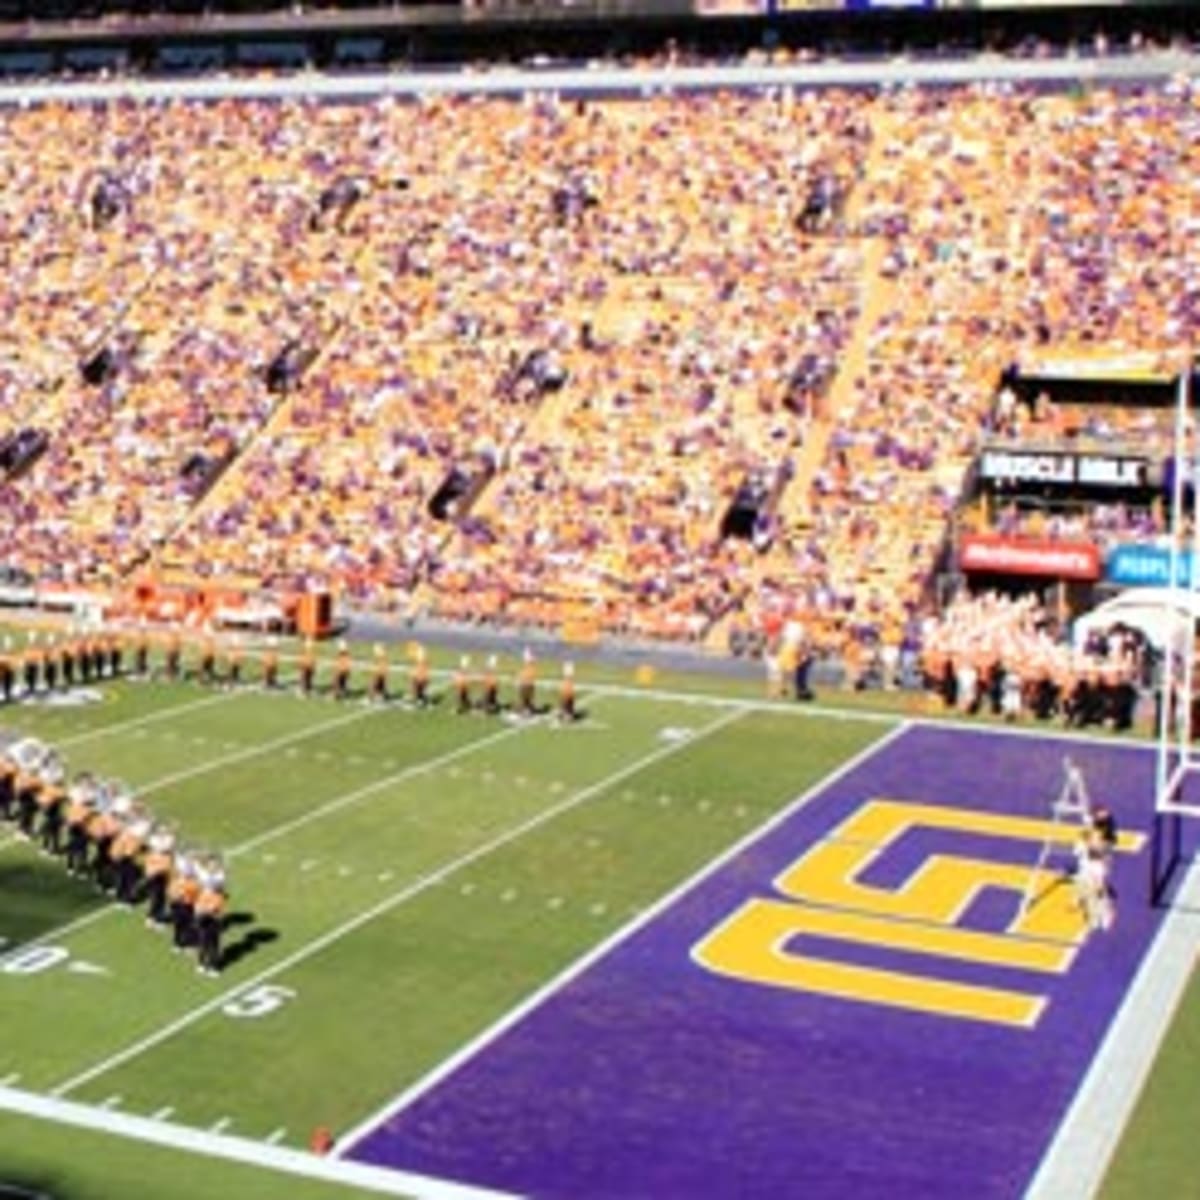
(385,876)
(277,1137)
(163,1113)
(508,895)
(308,864)
(10,1079)
(598,910)
(112,1102)
(221,1125)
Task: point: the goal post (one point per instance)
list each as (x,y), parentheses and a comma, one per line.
(1176,791)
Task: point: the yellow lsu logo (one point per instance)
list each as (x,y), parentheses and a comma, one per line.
(827,900)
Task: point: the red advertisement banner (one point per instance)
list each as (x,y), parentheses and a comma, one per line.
(1026,556)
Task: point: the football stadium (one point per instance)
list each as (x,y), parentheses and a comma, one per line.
(599,599)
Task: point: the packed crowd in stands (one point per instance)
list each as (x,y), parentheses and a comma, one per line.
(602,319)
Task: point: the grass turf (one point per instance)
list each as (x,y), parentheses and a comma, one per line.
(379,859)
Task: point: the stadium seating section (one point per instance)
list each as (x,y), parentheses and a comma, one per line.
(516,361)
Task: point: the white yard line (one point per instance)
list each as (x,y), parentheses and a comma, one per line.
(255,751)
(384,1181)
(386,905)
(514,1016)
(1074,1165)
(388,781)
(160,714)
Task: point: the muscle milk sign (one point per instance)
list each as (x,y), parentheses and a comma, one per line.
(1063,470)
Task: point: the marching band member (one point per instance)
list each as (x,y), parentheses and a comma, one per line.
(99,658)
(462,685)
(174,654)
(28,785)
(51,801)
(102,831)
(116,653)
(566,695)
(8,787)
(30,662)
(308,668)
(127,846)
(341,672)
(83,657)
(491,688)
(270,664)
(210,912)
(157,870)
(66,659)
(379,674)
(233,662)
(527,685)
(80,808)
(50,664)
(141,651)
(8,671)
(208,658)
(182,892)
(420,679)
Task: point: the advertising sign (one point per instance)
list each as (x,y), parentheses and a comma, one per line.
(1030,556)
(1136,564)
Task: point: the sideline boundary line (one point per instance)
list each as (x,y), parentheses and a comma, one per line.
(1077,1160)
(514,1016)
(406,893)
(238,1150)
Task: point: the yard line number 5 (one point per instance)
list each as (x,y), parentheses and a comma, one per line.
(258,1001)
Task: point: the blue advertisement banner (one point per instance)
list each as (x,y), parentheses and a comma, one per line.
(1138,565)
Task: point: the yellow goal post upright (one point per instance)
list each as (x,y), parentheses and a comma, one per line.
(1176,792)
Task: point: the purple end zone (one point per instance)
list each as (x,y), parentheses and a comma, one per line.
(649,1076)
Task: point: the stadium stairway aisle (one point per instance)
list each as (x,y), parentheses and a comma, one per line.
(876,292)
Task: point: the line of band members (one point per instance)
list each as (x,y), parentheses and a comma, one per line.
(49,664)
(102,833)
(1092,694)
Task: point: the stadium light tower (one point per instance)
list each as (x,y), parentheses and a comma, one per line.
(1177,757)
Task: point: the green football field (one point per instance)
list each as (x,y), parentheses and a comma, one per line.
(400,880)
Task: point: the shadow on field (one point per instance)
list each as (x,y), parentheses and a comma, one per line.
(248,942)
(24,1191)
(37,896)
